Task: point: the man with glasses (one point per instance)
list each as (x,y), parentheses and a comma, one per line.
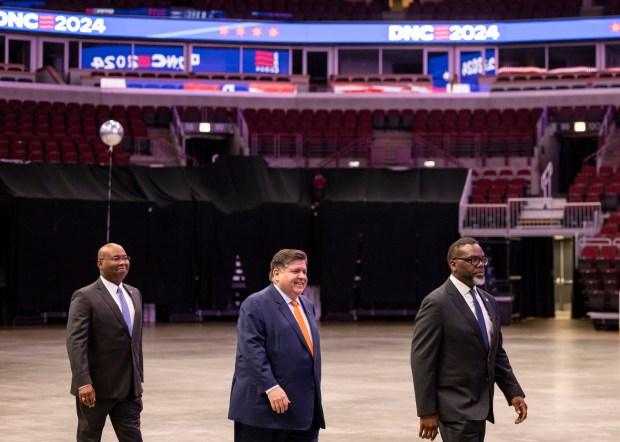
(457,355)
(104,343)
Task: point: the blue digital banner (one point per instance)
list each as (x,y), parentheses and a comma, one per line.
(265,61)
(438,68)
(225,60)
(159,58)
(260,32)
(143,58)
(106,56)
(490,67)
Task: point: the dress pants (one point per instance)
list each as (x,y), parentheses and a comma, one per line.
(248,433)
(124,415)
(462,431)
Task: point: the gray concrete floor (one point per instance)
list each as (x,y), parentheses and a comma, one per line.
(569,371)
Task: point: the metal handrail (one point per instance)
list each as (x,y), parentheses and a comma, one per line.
(344,150)
(604,133)
(441,153)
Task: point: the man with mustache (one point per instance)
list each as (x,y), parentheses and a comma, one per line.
(457,355)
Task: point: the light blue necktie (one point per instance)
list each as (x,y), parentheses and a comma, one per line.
(124,309)
(480,318)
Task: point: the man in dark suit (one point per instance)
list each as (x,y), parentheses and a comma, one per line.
(457,354)
(276,389)
(104,343)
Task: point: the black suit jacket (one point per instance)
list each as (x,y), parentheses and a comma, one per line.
(453,374)
(101,351)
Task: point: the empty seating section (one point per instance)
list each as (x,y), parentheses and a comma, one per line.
(16,72)
(311,133)
(244,9)
(66,132)
(599,269)
(531,79)
(210,114)
(487,133)
(601,186)
(492,9)
(598,262)
(570,114)
(496,186)
(386,78)
(359,9)
(458,133)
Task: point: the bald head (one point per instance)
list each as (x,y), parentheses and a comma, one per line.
(113,262)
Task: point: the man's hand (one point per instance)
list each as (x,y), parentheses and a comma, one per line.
(87,396)
(429,427)
(278,400)
(520,407)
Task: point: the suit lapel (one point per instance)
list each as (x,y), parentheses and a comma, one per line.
(107,298)
(288,314)
(463,308)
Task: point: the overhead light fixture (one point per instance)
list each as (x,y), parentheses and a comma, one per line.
(579,126)
(354,163)
(204,127)
(429,163)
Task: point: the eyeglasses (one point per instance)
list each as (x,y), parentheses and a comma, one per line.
(117,258)
(475,260)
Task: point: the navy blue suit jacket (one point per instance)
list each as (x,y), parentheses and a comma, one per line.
(271,350)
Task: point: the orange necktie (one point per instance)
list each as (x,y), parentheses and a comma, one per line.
(302,325)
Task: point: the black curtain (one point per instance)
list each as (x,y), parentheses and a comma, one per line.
(531,261)
(342,230)
(572,153)
(377,240)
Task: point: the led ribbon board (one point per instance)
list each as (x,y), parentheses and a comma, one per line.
(255,32)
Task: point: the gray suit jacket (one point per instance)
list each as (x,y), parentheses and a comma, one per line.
(101,351)
(453,374)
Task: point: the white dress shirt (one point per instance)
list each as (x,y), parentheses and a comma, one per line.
(465,291)
(292,308)
(112,289)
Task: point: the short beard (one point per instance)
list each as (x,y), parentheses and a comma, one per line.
(479,280)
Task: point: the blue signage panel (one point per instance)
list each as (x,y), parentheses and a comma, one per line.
(159,58)
(472,66)
(438,68)
(265,61)
(144,57)
(305,33)
(490,67)
(216,59)
(106,56)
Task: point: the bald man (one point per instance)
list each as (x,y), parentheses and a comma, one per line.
(104,343)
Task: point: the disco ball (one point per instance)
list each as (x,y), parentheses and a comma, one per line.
(111,133)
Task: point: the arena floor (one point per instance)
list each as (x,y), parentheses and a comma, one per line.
(569,371)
